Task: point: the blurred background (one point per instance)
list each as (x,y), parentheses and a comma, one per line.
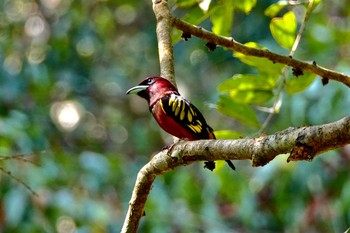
(69,132)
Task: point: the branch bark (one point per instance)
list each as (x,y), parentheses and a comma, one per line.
(230,43)
(302,143)
(165,46)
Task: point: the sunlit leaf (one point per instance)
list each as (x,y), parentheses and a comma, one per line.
(315,4)
(298,84)
(283,29)
(252,97)
(241,112)
(247,82)
(222,18)
(249,88)
(275,8)
(263,65)
(228,134)
(204,5)
(245,5)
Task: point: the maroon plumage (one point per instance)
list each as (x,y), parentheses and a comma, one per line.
(173,113)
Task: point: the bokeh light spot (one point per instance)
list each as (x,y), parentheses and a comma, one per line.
(67,114)
(119,134)
(36,54)
(13,64)
(204,5)
(198,56)
(17,10)
(51,4)
(86,47)
(65,224)
(125,14)
(34,26)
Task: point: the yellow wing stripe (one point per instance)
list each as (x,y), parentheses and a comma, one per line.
(178,106)
(172,102)
(192,112)
(195,128)
(189,116)
(182,113)
(161,105)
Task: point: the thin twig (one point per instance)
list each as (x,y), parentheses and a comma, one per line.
(230,43)
(19,157)
(19,181)
(284,72)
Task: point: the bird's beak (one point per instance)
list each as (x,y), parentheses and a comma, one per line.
(136,89)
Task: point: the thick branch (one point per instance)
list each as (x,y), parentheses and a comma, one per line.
(165,47)
(302,143)
(230,43)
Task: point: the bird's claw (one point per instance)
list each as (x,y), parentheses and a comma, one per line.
(209,165)
(169,149)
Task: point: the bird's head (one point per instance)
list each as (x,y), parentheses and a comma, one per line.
(152,88)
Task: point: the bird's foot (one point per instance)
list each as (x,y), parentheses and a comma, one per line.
(170,151)
(209,165)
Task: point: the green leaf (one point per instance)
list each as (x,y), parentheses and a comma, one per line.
(275,8)
(248,82)
(249,88)
(284,29)
(263,65)
(241,112)
(315,4)
(186,3)
(222,17)
(298,84)
(252,97)
(245,5)
(228,134)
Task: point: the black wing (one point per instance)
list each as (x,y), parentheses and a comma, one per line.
(186,114)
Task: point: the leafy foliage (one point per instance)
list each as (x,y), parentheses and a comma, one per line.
(241,112)
(284,29)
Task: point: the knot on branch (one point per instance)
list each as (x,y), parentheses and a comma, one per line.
(302,150)
(261,158)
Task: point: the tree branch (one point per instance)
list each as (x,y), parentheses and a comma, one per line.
(302,143)
(165,46)
(230,43)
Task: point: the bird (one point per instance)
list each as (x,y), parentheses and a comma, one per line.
(173,113)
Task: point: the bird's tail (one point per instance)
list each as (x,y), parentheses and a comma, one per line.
(230,164)
(211,164)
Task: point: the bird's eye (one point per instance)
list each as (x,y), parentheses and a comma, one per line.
(150,81)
